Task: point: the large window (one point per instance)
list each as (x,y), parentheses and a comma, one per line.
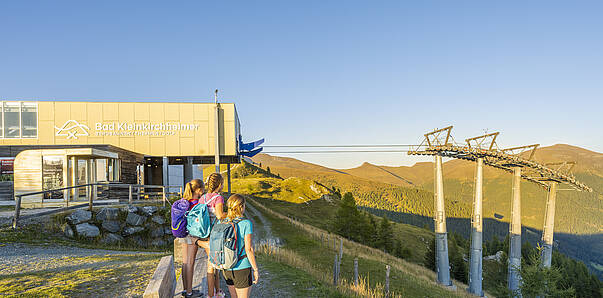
(19,120)
(29,120)
(52,175)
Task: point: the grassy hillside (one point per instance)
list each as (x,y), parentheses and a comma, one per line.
(408,191)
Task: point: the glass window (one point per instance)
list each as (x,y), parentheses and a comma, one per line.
(101,170)
(29,120)
(1,119)
(110,166)
(12,123)
(52,175)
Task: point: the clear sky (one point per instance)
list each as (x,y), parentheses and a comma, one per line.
(326,72)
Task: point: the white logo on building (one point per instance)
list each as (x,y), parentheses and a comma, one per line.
(72,129)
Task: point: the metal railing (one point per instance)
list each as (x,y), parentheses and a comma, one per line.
(92,189)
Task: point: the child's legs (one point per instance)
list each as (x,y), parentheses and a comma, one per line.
(189,265)
(184,251)
(233,291)
(213,280)
(242,292)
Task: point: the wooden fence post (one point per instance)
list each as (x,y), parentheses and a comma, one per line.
(356,272)
(90,197)
(17,211)
(335,271)
(340,249)
(130,194)
(387,281)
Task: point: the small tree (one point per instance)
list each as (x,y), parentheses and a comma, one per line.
(429,260)
(268,169)
(348,222)
(538,281)
(385,236)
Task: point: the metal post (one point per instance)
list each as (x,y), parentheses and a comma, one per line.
(166,171)
(356,272)
(549,222)
(187,169)
(17,211)
(442,264)
(386,281)
(228,177)
(164,196)
(515,231)
(217,132)
(475,263)
(130,194)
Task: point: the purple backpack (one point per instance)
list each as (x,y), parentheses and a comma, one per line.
(179,211)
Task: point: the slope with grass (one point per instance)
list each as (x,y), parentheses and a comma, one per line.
(407,191)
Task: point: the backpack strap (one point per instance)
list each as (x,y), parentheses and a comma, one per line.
(205,198)
(236,221)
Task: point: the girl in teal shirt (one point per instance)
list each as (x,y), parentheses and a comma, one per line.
(245,273)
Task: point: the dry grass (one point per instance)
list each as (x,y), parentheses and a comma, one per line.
(417,273)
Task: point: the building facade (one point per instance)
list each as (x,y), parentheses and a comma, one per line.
(60,144)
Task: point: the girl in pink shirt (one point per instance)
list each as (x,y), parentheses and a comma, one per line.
(215,202)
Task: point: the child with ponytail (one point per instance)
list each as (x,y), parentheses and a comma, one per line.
(215,202)
(245,272)
(192,192)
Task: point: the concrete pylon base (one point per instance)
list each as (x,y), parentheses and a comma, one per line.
(475,264)
(442,264)
(547,255)
(514,279)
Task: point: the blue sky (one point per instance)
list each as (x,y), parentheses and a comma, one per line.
(326,72)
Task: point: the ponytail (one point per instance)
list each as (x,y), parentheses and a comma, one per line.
(214,181)
(191,187)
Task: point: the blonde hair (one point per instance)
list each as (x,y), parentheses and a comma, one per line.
(191,188)
(235,204)
(214,180)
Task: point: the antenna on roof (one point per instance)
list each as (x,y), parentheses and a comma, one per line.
(216,96)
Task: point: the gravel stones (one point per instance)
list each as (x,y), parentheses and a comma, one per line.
(112,238)
(132,230)
(158,242)
(79,216)
(158,219)
(111,226)
(107,214)
(167,230)
(157,232)
(68,231)
(149,210)
(135,219)
(138,241)
(131,209)
(87,230)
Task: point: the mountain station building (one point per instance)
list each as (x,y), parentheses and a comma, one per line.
(60,144)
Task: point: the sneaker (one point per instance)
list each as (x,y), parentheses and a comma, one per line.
(220,294)
(195,293)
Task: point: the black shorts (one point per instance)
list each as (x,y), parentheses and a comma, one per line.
(238,278)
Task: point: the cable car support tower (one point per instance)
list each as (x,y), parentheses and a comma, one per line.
(516,160)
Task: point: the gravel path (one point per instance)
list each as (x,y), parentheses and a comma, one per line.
(263,233)
(70,271)
(21,258)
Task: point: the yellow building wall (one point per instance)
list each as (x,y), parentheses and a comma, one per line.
(128,125)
